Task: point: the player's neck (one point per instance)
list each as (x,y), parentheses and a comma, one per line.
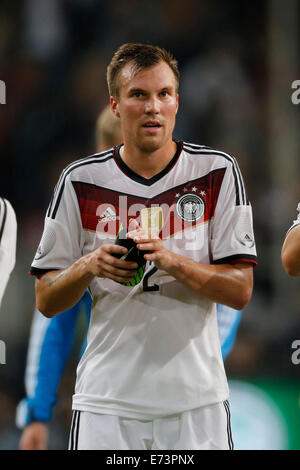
(148,164)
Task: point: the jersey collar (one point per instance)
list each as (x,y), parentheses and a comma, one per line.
(140,179)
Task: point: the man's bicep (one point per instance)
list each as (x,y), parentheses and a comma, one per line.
(290,253)
(292,239)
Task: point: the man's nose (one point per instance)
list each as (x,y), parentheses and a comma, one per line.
(152,105)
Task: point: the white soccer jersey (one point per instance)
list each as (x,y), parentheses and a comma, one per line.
(153,348)
(8,239)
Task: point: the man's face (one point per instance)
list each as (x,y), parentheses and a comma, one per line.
(147,106)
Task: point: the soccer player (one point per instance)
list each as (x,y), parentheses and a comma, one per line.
(51,339)
(152,374)
(290,253)
(8,240)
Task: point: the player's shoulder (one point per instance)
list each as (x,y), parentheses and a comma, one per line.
(82,164)
(205,151)
(4,204)
(6,212)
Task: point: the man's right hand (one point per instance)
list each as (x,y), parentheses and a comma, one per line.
(34,437)
(102,263)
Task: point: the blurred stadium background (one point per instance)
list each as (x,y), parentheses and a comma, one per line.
(238,61)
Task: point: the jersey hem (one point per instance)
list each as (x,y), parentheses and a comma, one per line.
(241,257)
(125,413)
(37,271)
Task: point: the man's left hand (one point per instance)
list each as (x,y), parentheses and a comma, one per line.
(149,241)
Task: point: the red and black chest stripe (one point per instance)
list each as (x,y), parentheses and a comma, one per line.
(194,202)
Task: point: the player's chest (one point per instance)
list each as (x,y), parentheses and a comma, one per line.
(170,211)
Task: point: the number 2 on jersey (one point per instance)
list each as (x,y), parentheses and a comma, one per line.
(146,286)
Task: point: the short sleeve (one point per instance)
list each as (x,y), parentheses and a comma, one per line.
(60,245)
(232,236)
(8,240)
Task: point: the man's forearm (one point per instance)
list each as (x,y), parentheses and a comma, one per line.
(227,284)
(57,291)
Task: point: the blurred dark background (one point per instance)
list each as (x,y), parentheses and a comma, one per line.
(238,61)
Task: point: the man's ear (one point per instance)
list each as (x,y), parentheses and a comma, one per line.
(114,104)
(177,102)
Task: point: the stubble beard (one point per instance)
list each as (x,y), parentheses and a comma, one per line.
(150,145)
